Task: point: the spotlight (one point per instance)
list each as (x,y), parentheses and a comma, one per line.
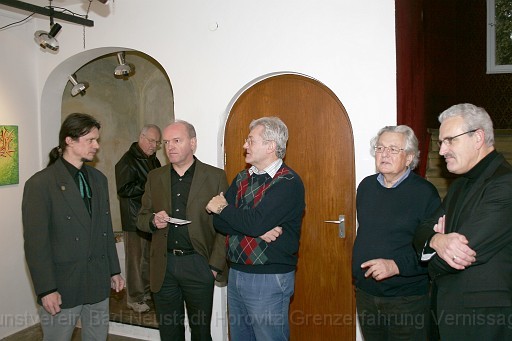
(122,69)
(78,88)
(47,39)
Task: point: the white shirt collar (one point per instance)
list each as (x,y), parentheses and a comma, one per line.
(270,169)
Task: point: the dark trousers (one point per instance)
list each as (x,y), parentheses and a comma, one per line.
(393,318)
(475,324)
(136,250)
(188,280)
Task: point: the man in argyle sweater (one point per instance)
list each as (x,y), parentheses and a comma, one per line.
(261,215)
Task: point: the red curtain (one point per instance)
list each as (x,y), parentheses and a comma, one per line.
(411,72)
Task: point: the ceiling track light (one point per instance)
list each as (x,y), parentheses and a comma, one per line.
(122,69)
(47,39)
(78,88)
(48,11)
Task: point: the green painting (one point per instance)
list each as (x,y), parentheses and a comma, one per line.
(9,160)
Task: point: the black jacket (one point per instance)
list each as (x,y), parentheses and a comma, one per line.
(131,174)
(483,215)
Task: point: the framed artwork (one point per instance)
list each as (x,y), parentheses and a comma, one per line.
(9,160)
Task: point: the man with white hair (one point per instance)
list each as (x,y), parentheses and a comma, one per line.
(468,242)
(261,215)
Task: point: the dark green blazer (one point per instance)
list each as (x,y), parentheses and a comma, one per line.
(66,248)
(208,181)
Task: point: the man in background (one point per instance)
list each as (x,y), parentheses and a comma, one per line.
(69,241)
(131,174)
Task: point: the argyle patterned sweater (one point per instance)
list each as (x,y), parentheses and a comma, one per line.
(257,204)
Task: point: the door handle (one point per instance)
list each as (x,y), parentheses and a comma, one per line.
(341,225)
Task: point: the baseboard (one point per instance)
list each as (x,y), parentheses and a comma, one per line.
(133,331)
(34,332)
(25,334)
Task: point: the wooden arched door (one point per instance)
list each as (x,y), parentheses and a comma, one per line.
(321,149)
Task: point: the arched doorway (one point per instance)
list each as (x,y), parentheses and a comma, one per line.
(123,106)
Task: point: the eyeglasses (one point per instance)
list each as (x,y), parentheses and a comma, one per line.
(448,140)
(391,150)
(250,141)
(152,141)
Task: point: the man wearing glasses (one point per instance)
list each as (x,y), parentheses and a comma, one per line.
(131,174)
(391,283)
(261,214)
(468,242)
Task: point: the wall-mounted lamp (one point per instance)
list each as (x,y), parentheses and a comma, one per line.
(122,69)
(78,88)
(47,39)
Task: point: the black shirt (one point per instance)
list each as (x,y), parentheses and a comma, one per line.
(180,187)
(74,173)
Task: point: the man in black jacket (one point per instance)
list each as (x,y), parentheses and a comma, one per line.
(131,174)
(468,241)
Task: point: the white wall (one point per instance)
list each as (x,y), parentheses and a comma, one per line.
(347,45)
(19,95)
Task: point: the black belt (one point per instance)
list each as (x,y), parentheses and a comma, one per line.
(177,252)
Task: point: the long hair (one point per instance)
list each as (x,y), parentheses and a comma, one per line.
(74,126)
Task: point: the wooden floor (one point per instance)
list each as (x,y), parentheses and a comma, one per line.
(119,312)
(34,333)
